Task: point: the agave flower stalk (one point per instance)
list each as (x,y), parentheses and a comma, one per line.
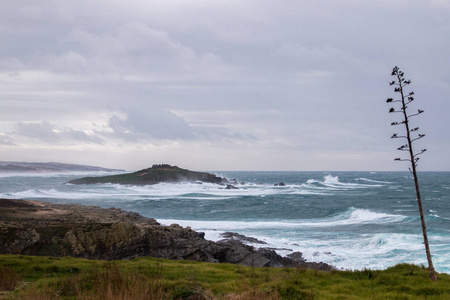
(410,136)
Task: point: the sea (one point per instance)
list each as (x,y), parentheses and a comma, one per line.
(351,220)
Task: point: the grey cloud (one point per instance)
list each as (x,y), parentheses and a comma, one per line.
(215,133)
(157,124)
(135,49)
(70,62)
(6,141)
(130,50)
(153,124)
(49,133)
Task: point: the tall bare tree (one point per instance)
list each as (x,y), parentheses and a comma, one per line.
(411,135)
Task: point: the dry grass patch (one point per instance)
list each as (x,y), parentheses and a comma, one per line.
(8,279)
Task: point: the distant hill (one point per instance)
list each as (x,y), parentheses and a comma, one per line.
(49,167)
(155,174)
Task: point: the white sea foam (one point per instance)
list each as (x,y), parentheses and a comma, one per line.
(375,251)
(350,217)
(374,181)
(55,194)
(331,182)
(187,191)
(357,216)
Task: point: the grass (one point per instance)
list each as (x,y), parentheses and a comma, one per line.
(32,277)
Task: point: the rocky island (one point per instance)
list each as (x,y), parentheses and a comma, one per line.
(48,229)
(154,175)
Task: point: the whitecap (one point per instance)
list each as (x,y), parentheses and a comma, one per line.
(352,216)
(332,183)
(355,216)
(374,181)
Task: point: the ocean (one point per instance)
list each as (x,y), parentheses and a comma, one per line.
(351,220)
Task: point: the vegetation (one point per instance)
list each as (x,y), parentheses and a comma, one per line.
(411,135)
(31,277)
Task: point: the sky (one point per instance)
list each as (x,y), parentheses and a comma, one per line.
(222,84)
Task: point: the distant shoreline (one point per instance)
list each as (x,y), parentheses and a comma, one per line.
(49,167)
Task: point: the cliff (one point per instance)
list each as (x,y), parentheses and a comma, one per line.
(40,228)
(155,174)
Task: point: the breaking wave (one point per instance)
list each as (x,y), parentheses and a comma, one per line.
(352,216)
(162,191)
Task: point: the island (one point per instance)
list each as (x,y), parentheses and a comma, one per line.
(154,175)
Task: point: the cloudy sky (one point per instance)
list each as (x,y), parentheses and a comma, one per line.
(221,84)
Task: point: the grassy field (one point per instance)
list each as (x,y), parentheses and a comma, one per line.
(31,277)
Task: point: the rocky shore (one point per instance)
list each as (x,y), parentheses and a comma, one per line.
(41,228)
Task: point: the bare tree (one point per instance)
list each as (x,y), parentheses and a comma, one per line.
(411,135)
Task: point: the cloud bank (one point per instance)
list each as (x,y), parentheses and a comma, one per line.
(220,85)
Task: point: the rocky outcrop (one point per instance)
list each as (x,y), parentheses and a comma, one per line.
(231,187)
(39,228)
(236,236)
(155,174)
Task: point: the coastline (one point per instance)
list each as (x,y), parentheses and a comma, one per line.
(352,221)
(47,229)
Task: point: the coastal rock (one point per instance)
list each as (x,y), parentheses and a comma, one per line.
(233,181)
(40,228)
(235,252)
(297,256)
(231,187)
(241,237)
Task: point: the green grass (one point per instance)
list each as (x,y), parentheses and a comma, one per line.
(31,277)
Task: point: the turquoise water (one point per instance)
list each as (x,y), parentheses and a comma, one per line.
(352,220)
